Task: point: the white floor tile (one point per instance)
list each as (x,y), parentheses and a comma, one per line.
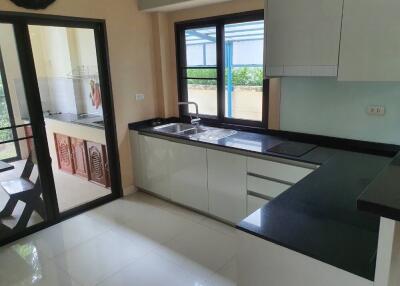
(226,276)
(92,261)
(66,235)
(139,240)
(21,264)
(159,225)
(142,215)
(218,226)
(47,275)
(200,250)
(153,270)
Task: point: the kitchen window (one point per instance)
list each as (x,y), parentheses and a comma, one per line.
(220,67)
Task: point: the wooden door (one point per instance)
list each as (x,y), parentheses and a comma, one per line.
(79,157)
(97,163)
(64,153)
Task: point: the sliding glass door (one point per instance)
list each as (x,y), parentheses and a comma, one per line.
(58,147)
(67,70)
(24,203)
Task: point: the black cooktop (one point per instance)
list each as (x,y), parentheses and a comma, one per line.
(294,149)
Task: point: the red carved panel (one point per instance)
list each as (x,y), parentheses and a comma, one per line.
(64,153)
(97,163)
(79,157)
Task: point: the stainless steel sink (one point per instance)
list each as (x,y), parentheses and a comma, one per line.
(173,128)
(196,132)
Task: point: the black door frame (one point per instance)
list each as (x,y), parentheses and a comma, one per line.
(20,22)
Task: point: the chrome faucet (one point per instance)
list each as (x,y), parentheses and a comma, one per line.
(192,120)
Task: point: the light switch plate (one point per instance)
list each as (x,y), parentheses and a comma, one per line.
(139,97)
(377,110)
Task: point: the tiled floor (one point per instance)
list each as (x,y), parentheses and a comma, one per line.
(139,240)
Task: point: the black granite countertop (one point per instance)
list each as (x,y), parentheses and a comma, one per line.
(382,196)
(243,141)
(318,216)
(76,119)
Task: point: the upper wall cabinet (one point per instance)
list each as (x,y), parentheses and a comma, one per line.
(370,45)
(303,37)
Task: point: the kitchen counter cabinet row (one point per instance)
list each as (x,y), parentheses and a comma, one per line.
(225,185)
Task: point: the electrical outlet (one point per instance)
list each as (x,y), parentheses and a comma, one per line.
(139,97)
(376,110)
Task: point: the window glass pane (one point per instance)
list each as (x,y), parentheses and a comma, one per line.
(201,51)
(204,93)
(201,73)
(201,48)
(244,46)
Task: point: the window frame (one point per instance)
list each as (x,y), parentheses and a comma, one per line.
(219,23)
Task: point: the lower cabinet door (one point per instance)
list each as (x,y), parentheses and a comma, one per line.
(188,167)
(137,154)
(97,163)
(64,153)
(155,166)
(227,185)
(79,157)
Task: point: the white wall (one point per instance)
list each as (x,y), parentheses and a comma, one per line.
(325,106)
(61,54)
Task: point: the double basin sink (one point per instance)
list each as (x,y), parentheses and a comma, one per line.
(195,132)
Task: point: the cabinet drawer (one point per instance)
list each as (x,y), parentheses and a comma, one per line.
(280,171)
(264,187)
(254,203)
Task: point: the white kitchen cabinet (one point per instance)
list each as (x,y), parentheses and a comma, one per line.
(265,188)
(302,37)
(370,41)
(277,171)
(188,175)
(138,169)
(155,163)
(227,185)
(265,263)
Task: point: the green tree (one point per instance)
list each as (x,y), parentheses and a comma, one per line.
(241,76)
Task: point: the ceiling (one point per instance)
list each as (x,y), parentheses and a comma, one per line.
(173,5)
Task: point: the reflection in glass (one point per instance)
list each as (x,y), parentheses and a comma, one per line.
(29,253)
(201,74)
(244,49)
(70,92)
(21,194)
(201,47)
